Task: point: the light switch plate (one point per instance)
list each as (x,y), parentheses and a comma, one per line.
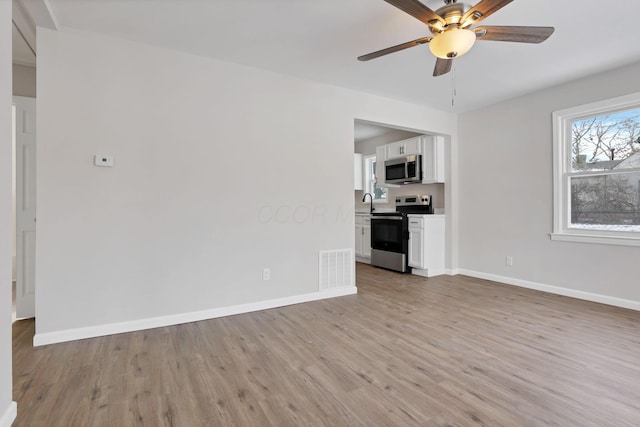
(103,160)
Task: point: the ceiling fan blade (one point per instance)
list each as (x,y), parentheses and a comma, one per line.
(482,10)
(417,10)
(443,66)
(392,49)
(513,34)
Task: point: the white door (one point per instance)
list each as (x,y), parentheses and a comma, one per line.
(25,132)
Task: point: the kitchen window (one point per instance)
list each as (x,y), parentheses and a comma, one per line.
(597,172)
(380,194)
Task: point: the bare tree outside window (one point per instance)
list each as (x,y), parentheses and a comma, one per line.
(609,144)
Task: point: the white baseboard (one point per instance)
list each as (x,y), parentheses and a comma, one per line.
(9,415)
(451,271)
(176,319)
(420,272)
(587,296)
(430,272)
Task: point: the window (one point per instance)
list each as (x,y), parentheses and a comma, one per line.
(380,194)
(597,172)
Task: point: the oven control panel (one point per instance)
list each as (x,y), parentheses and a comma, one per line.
(417,200)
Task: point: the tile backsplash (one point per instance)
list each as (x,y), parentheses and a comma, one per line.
(436,191)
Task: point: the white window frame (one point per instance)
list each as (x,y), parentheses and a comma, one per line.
(562,172)
(370,183)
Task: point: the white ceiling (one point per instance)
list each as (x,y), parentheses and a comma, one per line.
(363,131)
(320,40)
(22,54)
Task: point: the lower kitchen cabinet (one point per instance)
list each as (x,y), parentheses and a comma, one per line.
(366,240)
(363,238)
(426,244)
(416,250)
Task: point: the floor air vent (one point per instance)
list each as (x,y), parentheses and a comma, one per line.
(336,269)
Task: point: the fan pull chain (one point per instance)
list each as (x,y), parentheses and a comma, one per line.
(453,88)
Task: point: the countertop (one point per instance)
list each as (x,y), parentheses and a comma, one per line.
(366,211)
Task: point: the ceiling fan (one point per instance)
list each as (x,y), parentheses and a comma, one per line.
(452,32)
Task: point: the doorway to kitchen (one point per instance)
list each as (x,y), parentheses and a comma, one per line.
(375,143)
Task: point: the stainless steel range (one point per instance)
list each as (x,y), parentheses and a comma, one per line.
(390,232)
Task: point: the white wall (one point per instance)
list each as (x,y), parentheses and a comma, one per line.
(220,171)
(505,181)
(7,407)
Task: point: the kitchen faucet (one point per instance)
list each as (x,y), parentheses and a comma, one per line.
(370,198)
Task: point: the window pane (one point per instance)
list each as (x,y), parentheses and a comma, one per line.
(606,142)
(379,193)
(606,202)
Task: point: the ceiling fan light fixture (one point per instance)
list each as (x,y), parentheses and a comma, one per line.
(452,43)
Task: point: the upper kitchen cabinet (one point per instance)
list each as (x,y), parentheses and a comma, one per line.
(433,165)
(407,147)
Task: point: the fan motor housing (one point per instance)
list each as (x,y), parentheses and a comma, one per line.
(452,13)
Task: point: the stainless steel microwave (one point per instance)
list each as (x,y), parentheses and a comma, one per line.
(404,170)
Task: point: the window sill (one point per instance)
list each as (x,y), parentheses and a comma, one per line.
(594,238)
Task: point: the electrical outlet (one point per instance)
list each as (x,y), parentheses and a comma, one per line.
(508,260)
(266,273)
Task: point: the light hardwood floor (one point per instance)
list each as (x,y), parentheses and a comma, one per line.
(406,351)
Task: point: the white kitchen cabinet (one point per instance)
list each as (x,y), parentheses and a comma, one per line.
(416,251)
(363,237)
(357,172)
(406,147)
(366,238)
(426,244)
(432,159)
(358,236)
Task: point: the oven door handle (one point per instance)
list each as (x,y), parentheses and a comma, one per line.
(395,218)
